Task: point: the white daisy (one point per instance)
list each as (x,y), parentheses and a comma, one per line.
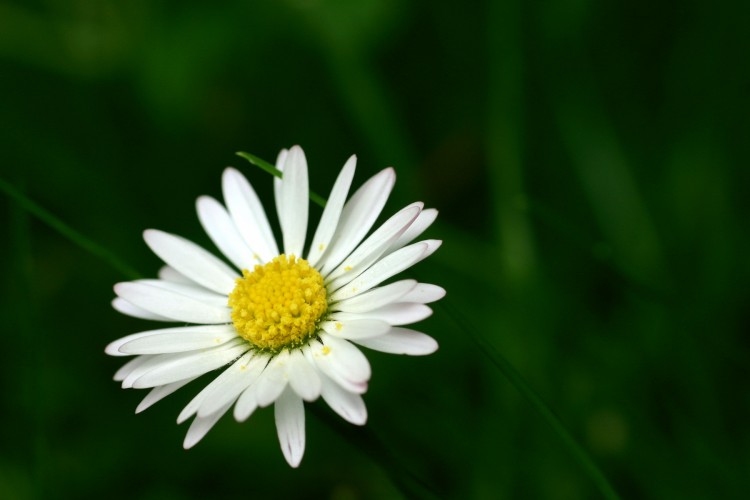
(284,329)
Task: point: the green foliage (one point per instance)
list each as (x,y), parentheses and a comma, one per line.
(589,161)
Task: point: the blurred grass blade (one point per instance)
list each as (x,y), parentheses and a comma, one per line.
(517,381)
(367,442)
(263,164)
(504,143)
(83,242)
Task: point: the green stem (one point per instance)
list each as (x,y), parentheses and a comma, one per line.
(517,381)
(89,245)
(263,164)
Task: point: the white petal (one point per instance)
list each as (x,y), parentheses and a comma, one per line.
(386,267)
(290,426)
(294,202)
(399,313)
(303,377)
(220,227)
(170,274)
(128,367)
(356,328)
(348,405)
(425,220)
(225,331)
(191,261)
(273,380)
(373,247)
(332,212)
(158,393)
(280,161)
(148,363)
(358,216)
(343,362)
(432,245)
(377,297)
(191,290)
(423,293)
(227,387)
(402,341)
(201,426)
(123,306)
(192,407)
(171,304)
(248,214)
(246,404)
(181,339)
(191,364)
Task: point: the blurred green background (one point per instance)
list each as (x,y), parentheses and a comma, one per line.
(589,161)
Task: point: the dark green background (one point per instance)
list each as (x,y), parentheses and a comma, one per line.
(589,160)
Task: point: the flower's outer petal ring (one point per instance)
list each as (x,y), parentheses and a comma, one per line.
(194,338)
(402,341)
(386,267)
(423,293)
(332,212)
(248,214)
(357,217)
(376,297)
(158,393)
(227,387)
(123,306)
(191,290)
(246,404)
(419,226)
(373,247)
(191,261)
(348,405)
(171,304)
(167,273)
(294,202)
(303,377)
(190,365)
(200,427)
(220,227)
(397,314)
(343,362)
(280,162)
(272,381)
(289,411)
(126,369)
(356,328)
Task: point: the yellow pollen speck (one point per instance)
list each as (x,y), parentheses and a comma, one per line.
(326,350)
(321,247)
(278,305)
(256,257)
(348,268)
(339,326)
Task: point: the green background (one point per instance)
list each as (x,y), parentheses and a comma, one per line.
(589,161)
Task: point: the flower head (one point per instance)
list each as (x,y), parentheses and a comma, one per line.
(285,327)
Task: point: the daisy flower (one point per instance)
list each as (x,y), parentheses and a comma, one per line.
(284,329)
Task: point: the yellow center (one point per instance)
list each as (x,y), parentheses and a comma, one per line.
(279,304)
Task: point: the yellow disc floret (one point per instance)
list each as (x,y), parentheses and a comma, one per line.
(278,305)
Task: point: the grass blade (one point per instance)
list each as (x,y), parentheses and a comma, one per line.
(264,165)
(80,240)
(518,382)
